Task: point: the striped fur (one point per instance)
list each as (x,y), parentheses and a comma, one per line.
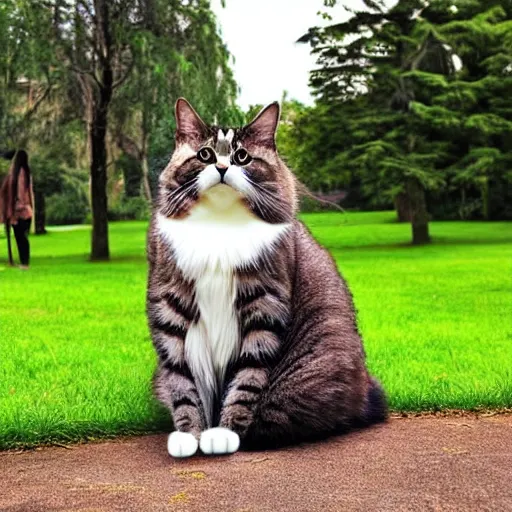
(254,328)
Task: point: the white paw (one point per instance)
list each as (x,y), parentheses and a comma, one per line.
(219,441)
(181,444)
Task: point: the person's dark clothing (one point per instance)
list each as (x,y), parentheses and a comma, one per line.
(21,230)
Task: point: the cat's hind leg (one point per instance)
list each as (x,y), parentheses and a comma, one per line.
(314,393)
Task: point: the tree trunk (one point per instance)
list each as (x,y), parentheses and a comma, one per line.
(99,202)
(40,213)
(144,154)
(419,213)
(145,178)
(101,90)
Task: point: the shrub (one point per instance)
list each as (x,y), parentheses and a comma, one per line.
(69,207)
(129,208)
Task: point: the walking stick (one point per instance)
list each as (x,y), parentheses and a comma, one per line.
(9,247)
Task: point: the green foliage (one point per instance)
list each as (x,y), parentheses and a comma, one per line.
(28,75)
(132,174)
(60,178)
(180,53)
(51,77)
(69,207)
(485,125)
(393,106)
(129,208)
(84,370)
(311,142)
(65,188)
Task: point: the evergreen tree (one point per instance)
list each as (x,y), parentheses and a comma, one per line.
(429,82)
(376,55)
(481,33)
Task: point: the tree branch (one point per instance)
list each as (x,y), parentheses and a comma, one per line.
(128,145)
(37,103)
(86,72)
(126,74)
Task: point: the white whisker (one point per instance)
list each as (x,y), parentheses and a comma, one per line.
(177,196)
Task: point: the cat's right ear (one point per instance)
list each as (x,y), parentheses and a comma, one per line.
(189,126)
(264,126)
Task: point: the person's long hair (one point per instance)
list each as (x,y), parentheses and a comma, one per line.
(20,162)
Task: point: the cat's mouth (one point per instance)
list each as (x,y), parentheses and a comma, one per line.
(232,177)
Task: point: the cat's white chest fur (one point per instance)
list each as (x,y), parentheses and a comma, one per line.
(218,236)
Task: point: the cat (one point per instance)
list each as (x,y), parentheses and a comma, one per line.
(254,328)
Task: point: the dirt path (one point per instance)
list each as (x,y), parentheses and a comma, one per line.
(408,464)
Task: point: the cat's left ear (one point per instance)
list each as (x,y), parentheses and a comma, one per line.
(189,126)
(264,126)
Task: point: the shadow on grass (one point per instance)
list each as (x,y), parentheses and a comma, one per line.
(436,242)
(345,222)
(79,259)
(140,259)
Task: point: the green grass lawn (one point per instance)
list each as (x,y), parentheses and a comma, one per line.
(76,358)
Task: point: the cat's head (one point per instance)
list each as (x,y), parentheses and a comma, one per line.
(239,164)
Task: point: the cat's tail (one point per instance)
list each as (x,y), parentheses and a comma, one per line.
(376,410)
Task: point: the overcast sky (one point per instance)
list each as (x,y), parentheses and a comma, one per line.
(261,35)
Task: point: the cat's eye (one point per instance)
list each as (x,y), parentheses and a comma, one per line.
(206,155)
(241,157)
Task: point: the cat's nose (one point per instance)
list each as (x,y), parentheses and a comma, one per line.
(222,168)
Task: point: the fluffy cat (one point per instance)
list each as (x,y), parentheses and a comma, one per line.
(254,328)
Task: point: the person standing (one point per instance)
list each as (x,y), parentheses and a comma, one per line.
(18,204)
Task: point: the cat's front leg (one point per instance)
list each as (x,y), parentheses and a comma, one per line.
(263,314)
(175,388)
(243,395)
(237,409)
(170,317)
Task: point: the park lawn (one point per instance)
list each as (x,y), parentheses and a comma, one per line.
(76,359)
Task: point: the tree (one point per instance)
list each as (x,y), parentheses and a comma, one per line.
(94,41)
(178,52)
(481,34)
(402,110)
(143,52)
(26,77)
(29,88)
(370,56)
